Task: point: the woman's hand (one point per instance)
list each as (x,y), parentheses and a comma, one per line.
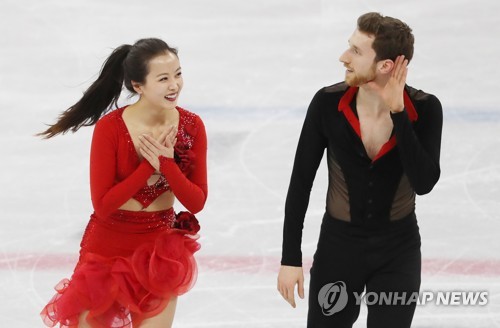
(151,149)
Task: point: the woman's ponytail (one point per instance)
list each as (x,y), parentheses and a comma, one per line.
(97,99)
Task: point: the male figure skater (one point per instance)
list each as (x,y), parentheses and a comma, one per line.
(382,141)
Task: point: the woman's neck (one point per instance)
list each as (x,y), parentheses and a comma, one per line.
(152,116)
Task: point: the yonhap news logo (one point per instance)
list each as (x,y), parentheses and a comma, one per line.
(333,297)
(439,298)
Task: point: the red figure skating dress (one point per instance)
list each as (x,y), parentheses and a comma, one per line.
(131,263)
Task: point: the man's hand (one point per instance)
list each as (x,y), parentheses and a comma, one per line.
(392,92)
(288,277)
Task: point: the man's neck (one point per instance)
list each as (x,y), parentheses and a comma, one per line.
(370,102)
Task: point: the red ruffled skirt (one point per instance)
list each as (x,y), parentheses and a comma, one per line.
(131,264)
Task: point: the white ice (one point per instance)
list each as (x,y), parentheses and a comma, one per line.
(250,69)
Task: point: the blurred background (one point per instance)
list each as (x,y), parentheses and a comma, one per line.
(250,70)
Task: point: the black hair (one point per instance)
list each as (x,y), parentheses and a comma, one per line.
(126,63)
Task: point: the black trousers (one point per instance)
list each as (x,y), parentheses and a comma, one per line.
(384,260)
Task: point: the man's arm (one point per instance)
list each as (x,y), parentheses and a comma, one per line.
(308,156)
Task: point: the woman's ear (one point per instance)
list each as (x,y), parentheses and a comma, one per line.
(137,87)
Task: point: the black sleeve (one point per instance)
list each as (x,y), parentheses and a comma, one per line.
(310,149)
(420,145)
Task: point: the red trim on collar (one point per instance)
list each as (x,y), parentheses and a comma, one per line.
(391,143)
(345,107)
(410,109)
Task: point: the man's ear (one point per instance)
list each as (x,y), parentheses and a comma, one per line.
(385,66)
(137,87)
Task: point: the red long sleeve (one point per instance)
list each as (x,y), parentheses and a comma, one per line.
(117,173)
(108,195)
(191,190)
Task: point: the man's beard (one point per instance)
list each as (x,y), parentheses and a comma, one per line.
(355,80)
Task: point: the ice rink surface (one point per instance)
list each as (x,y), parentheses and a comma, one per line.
(250,69)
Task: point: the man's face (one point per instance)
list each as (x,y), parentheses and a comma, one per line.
(359,59)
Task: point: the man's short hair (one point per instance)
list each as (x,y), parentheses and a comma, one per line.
(392,36)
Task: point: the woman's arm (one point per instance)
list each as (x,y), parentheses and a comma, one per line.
(106,194)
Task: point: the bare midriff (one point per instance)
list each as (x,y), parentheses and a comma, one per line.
(163,202)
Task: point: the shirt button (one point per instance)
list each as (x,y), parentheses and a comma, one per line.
(369,215)
(370,184)
(370,201)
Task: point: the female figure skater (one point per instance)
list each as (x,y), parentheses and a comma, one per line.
(136,254)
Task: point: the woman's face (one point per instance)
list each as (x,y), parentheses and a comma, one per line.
(163,83)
